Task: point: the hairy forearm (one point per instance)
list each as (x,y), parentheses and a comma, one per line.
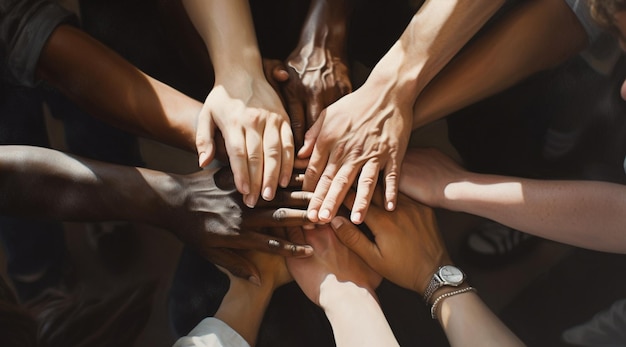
(435,34)
(535,36)
(110,88)
(467,321)
(227,30)
(587,214)
(354,314)
(40,182)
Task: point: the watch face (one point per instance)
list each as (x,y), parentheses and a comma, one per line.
(451,274)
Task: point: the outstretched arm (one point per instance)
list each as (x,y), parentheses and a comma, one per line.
(340,282)
(532,37)
(409,235)
(199,208)
(368,130)
(110,88)
(587,214)
(242,103)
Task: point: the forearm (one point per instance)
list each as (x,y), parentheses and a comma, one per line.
(326,26)
(40,182)
(354,314)
(435,34)
(467,321)
(535,36)
(587,214)
(109,87)
(243,308)
(227,30)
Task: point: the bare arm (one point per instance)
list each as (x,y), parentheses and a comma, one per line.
(535,36)
(111,88)
(587,214)
(368,130)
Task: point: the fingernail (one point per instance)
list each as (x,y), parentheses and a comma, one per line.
(312,215)
(284,182)
(202,158)
(356,218)
(245,189)
(267,194)
(308,226)
(390,206)
(250,200)
(308,250)
(336,223)
(255,280)
(325,214)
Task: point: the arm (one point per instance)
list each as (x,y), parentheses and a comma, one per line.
(409,235)
(242,308)
(587,214)
(318,66)
(242,104)
(369,129)
(40,182)
(535,36)
(110,88)
(344,286)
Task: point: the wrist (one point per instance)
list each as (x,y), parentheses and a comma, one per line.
(334,294)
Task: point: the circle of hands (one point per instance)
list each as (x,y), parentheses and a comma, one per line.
(228,226)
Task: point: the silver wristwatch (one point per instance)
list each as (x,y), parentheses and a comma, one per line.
(447,275)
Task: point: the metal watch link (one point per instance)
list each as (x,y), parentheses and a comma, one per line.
(447,275)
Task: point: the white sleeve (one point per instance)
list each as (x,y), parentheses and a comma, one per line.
(212,332)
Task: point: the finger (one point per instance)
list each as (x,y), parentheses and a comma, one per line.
(365,189)
(236,264)
(275,245)
(281,217)
(279,73)
(238,158)
(254,147)
(310,137)
(315,107)
(295,109)
(205,144)
(392,174)
(354,239)
(340,185)
(287,198)
(272,154)
(287,157)
(321,189)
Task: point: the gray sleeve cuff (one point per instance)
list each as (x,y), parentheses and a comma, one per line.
(25,31)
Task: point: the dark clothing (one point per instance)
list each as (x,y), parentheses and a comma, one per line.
(25,26)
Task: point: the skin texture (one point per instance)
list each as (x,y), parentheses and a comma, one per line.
(368,130)
(409,236)
(318,66)
(563,211)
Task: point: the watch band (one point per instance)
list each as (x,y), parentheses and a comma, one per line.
(434,284)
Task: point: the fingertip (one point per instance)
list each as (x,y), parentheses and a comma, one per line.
(255,280)
(203,159)
(356,217)
(312,216)
(337,223)
(390,205)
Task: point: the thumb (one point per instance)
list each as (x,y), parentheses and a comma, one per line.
(204,138)
(354,239)
(311,137)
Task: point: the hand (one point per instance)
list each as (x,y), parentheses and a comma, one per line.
(202,210)
(256,132)
(330,257)
(408,248)
(435,171)
(317,78)
(362,132)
